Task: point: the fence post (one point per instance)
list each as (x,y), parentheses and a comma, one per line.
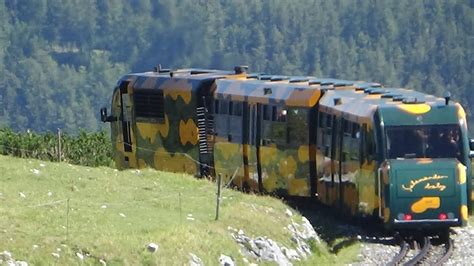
(180,210)
(219,180)
(67,221)
(59,145)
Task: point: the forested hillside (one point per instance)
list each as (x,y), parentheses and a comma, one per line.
(59,60)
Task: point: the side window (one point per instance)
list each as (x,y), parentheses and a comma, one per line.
(235,122)
(298,132)
(216,106)
(367,144)
(356,140)
(266,112)
(347,140)
(237,108)
(274,125)
(223,107)
(324,137)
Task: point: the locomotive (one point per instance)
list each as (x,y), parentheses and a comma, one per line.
(364,149)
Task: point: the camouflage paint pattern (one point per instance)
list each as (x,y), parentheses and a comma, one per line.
(172,143)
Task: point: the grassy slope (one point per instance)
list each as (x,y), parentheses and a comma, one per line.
(155,205)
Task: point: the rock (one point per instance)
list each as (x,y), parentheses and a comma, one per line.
(123,215)
(50,193)
(21,263)
(42,164)
(103,206)
(152,247)
(22,195)
(35,246)
(288,213)
(5,255)
(35,171)
(241,232)
(195,260)
(102,262)
(80,256)
(226,260)
(56,255)
(291,254)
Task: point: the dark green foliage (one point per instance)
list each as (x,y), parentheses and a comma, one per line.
(89,149)
(59,60)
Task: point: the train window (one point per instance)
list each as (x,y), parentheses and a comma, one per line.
(149,103)
(274,113)
(223,107)
(347,127)
(430,141)
(328,123)
(237,108)
(266,112)
(231,107)
(281,114)
(355,131)
(216,106)
(298,132)
(321,120)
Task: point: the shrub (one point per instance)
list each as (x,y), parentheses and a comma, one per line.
(89,149)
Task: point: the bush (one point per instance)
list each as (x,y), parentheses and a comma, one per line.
(89,149)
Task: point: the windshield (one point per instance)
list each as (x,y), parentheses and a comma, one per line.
(435,141)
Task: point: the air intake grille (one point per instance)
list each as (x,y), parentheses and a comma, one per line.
(149,103)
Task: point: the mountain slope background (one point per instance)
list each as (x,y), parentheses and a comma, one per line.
(59,60)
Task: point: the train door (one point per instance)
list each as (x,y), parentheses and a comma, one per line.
(126,125)
(252,146)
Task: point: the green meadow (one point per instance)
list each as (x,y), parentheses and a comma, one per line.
(55,213)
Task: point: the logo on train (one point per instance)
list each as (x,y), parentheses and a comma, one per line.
(429,186)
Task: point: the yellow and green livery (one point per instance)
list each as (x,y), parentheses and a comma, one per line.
(398,154)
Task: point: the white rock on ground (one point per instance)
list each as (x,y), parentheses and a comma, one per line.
(56,255)
(226,260)
(265,249)
(152,247)
(80,256)
(195,260)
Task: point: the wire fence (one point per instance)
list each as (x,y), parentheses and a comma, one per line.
(183,205)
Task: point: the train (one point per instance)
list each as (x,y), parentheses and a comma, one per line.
(363,149)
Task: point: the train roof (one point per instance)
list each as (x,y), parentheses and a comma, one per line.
(355,100)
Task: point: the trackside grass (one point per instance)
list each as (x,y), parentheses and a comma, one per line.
(49,212)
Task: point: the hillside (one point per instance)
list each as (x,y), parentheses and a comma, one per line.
(56,213)
(60,60)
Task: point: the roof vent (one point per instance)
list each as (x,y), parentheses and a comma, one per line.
(377,91)
(398,98)
(447,97)
(390,95)
(296,80)
(160,70)
(278,78)
(267,91)
(253,76)
(412,100)
(337,101)
(241,69)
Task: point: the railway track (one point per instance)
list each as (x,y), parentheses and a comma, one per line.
(429,250)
